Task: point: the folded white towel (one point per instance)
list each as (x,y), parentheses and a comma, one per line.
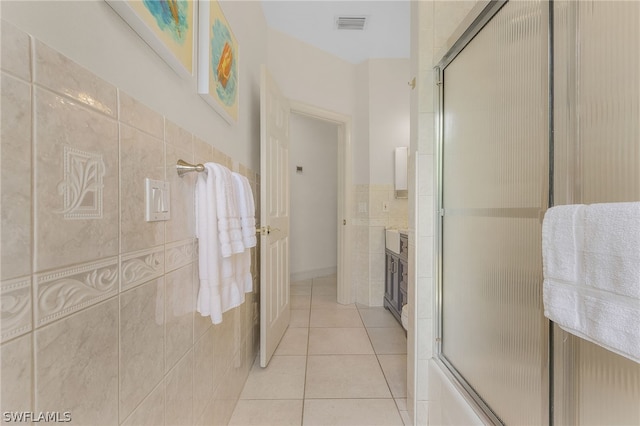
(229,227)
(612,248)
(246,209)
(209,303)
(591,262)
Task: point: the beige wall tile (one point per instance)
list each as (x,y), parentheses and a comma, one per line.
(63,76)
(139,116)
(141,157)
(178,137)
(178,314)
(76,183)
(15,52)
(151,411)
(141,343)
(179,393)
(15,387)
(77,365)
(203,373)
(181,225)
(15,175)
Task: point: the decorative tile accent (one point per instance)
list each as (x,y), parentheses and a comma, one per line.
(65,291)
(59,123)
(141,266)
(179,254)
(82,184)
(15,297)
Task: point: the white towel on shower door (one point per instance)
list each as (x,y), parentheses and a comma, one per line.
(591,263)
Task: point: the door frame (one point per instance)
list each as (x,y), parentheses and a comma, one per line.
(346,291)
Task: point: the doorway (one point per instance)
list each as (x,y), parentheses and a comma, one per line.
(313,194)
(345,290)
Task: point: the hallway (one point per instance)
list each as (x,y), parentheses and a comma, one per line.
(336,365)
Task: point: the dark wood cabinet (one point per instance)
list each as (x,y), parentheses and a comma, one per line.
(396,278)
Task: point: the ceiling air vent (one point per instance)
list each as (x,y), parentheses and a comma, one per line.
(351,22)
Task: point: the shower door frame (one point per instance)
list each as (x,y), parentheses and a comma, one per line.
(484,13)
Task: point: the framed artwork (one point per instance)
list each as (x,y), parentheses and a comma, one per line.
(218,68)
(165,25)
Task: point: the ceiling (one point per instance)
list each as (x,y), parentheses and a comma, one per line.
(386,34)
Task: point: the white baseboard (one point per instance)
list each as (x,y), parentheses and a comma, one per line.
(315,273)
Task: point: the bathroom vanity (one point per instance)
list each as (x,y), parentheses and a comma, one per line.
(397,269)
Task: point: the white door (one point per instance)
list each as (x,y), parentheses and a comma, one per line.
(274,216)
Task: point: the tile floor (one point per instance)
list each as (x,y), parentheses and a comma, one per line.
(336,365)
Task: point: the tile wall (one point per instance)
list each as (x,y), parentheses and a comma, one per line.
(98,313)
(369,224)
(433,24)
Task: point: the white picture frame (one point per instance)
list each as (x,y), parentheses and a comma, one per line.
(180,57)
(214,33)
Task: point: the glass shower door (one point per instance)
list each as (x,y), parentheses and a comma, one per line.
(495,153)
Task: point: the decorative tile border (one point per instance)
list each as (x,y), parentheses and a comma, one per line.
(180,253)
(65,291)
(141,266)
(15,299)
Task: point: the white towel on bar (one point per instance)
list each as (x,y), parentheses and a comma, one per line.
(229,226)
(209,303)
(246,209)
(591,262)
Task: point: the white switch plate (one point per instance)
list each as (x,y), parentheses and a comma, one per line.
(385,206)
(156,200)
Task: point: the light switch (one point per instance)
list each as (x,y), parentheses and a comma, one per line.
(156,200)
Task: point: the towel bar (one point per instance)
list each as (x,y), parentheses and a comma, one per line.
(184,167)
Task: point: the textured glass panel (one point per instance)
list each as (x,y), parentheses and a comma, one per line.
(495,183)
(597,114)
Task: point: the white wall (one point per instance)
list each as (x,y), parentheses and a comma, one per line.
(93,35)
(388,115)
(314,147)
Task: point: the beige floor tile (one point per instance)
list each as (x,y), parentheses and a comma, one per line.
(405,418)
(345,376)
(339,341)
(282,379)
(300,290)
(299,318)
(394,368)
(294,342)
(388,340)
(351,412)
(335,318)
(324,301)
(326,290)
(300,302)
(378,317)
(329,280)
(267,413)
(401,403)
(302,283)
